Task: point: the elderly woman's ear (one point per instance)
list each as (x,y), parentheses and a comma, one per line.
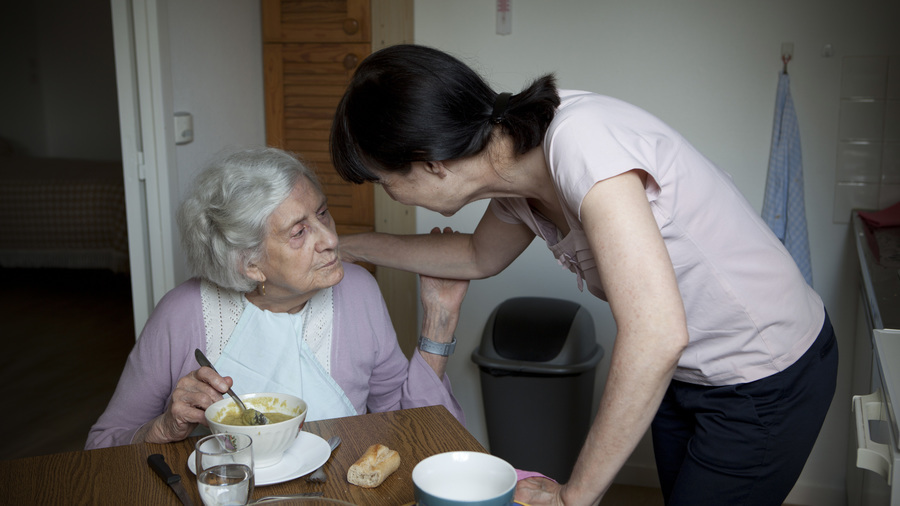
(253,272)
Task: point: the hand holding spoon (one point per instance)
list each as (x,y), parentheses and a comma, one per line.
(249,416)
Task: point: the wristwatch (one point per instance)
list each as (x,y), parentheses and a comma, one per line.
(443,349)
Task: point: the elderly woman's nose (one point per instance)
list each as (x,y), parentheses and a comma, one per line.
(327,237)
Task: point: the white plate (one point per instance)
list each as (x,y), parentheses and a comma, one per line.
(307,454)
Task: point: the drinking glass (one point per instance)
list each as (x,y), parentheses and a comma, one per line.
(224,464)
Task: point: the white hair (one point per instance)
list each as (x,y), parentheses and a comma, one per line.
(224,220)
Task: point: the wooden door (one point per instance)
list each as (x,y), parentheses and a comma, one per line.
(311,48)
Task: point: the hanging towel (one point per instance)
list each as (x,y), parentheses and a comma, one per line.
(783,208)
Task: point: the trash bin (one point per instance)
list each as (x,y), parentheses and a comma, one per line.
(538,358)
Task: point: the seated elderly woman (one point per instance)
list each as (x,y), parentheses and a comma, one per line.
(275,310)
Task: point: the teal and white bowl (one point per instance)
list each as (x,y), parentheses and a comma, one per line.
(464,479)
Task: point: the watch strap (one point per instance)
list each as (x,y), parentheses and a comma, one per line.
(435,348)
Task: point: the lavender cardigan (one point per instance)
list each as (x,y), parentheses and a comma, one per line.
(366,360)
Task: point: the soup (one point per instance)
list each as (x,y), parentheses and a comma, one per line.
(234,418)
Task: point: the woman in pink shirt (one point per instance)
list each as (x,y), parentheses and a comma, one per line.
(721,345)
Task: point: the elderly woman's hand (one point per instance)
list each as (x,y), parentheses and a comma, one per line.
(442,297)
(193,394)
(441,300)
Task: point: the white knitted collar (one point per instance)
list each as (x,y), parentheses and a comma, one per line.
(222,309)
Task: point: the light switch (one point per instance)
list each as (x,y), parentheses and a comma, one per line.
(184,127)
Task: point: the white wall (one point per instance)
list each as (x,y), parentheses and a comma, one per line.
(216,66)
(710,70)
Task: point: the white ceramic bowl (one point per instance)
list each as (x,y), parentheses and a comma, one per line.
(270,440)
(464,478)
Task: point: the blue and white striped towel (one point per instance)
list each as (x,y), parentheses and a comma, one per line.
(783,207)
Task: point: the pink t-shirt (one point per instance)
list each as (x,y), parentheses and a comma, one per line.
(750,313)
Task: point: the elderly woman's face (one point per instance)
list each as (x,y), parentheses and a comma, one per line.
(301,246)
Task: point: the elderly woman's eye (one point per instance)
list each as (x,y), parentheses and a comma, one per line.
(323,214)
(299,231)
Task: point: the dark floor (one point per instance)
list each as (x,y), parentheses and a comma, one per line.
(65,339)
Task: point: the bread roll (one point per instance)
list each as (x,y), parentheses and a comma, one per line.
(374,466)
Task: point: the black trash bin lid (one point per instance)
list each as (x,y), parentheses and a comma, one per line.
(532,329)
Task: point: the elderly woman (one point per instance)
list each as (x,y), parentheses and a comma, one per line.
(274,309)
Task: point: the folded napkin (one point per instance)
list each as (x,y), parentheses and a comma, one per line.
(889,217)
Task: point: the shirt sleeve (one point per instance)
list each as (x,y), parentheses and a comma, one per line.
(161,356)
(596,138)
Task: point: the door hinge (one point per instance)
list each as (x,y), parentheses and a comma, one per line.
(141,168)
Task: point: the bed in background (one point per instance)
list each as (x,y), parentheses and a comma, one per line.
(62,213)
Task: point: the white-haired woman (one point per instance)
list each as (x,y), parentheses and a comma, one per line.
(275,309)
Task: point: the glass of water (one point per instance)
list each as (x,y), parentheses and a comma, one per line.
(224,464)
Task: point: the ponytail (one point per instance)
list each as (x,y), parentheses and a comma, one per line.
(529,112)
(410,103)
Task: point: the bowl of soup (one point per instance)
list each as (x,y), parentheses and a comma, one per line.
(286,414)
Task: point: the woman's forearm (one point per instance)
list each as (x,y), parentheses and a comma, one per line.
(438,328)
(636,383)
(439,255)
(484,253)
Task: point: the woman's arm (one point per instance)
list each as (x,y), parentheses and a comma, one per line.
(441,301)
(643,293)
(162,390)
(481,254)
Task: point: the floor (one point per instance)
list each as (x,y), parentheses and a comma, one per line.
(68,333)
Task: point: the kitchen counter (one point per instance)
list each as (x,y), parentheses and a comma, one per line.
(880,279)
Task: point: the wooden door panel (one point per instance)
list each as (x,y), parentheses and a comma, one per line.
(311,49)
(316,21)
(305,124)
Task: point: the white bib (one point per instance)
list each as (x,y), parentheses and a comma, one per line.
(267,353)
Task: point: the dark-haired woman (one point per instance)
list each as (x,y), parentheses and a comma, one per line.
(720,342)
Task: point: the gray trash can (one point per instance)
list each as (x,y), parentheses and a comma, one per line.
(538,358)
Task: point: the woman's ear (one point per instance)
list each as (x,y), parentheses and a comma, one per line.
(437,168)
(253,272)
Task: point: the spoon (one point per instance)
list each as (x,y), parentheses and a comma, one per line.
(249,416)
(318,475)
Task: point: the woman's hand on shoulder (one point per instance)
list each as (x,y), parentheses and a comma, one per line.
(346,247)
(193,394)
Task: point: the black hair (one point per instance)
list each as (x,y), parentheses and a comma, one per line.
(409,103)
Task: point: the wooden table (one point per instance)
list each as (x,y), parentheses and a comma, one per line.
(120,475)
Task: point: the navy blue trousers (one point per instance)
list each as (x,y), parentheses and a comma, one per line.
(744,444)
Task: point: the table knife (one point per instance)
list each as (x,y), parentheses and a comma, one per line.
(158,463)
